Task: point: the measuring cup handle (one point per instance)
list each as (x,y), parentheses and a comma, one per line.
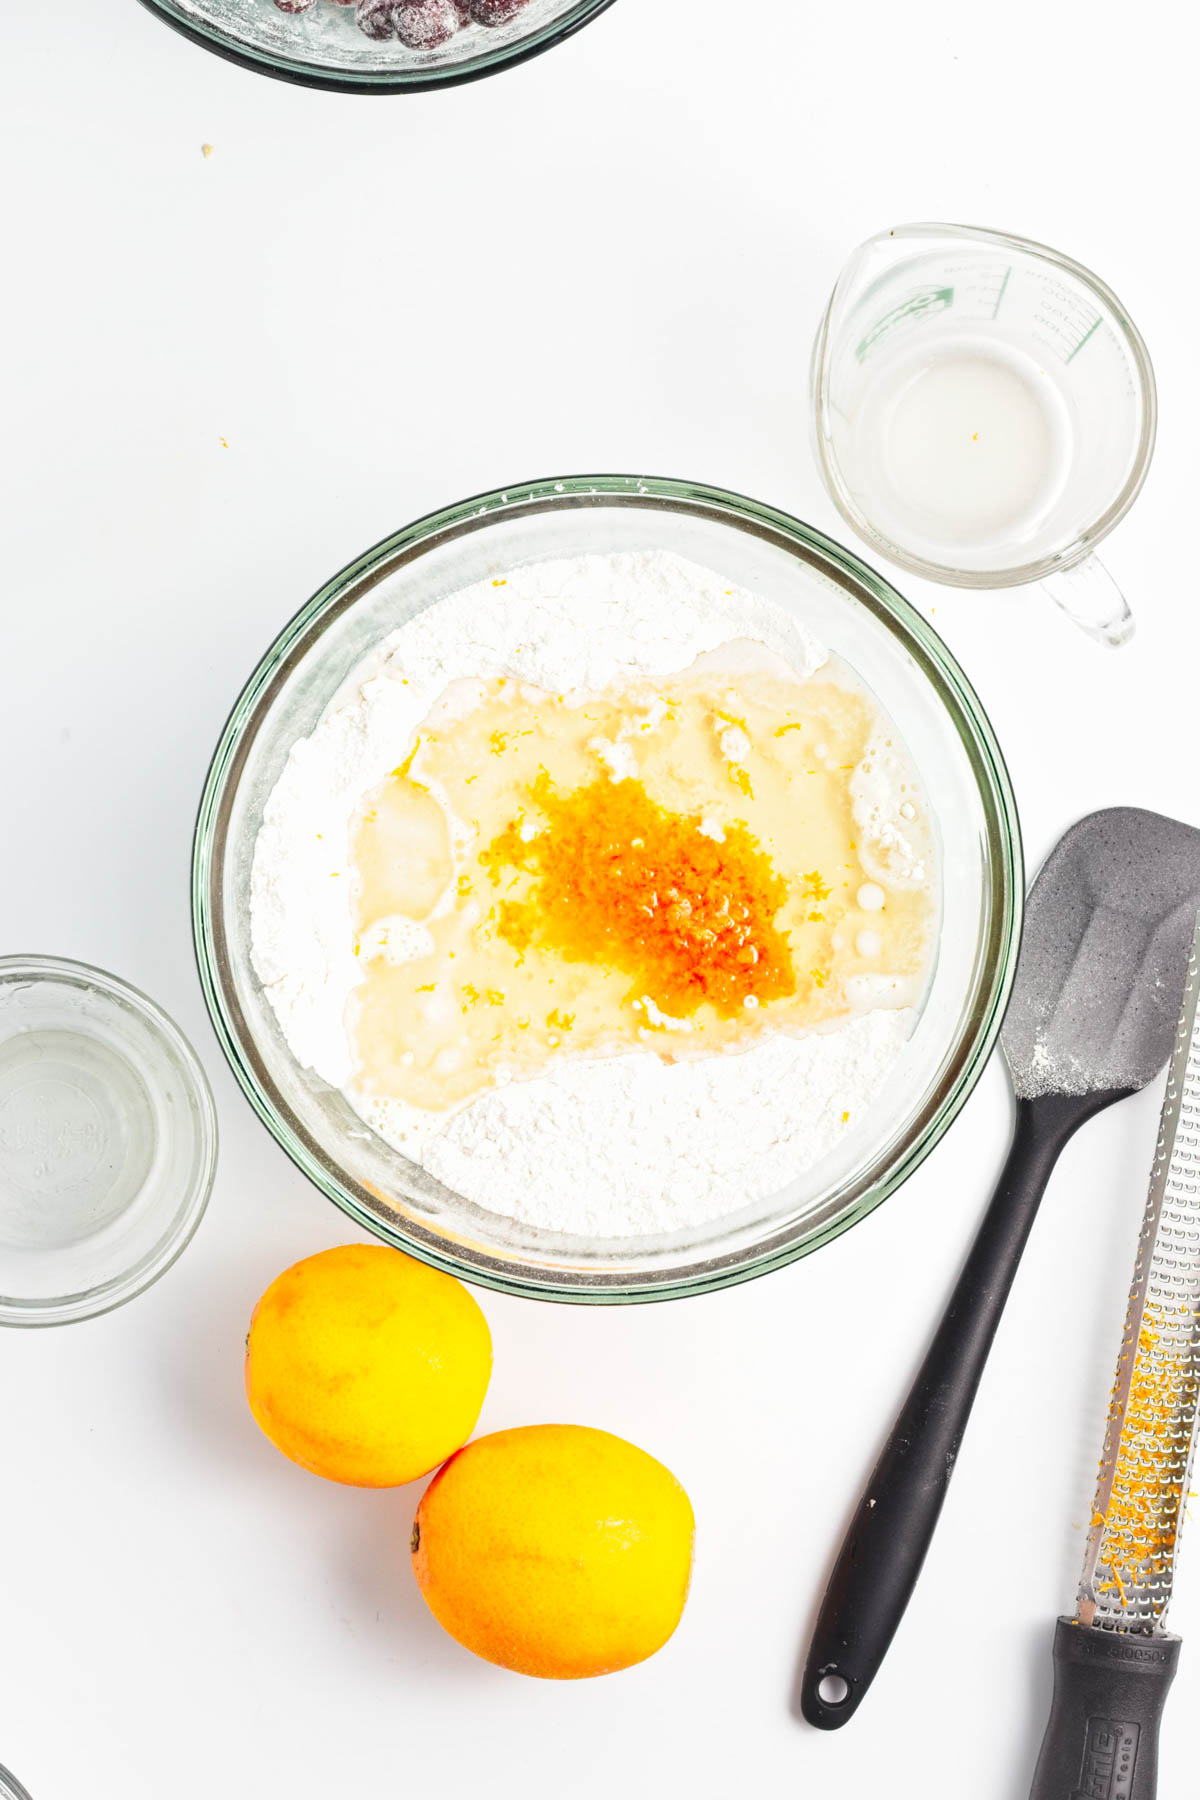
(1089,595)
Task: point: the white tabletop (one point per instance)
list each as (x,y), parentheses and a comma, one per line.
(226,375)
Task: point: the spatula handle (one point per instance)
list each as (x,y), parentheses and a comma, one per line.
(1109,1691)
(882,1554)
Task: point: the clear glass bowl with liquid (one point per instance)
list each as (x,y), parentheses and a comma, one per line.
(862,619)
(108,1141)
(324,48)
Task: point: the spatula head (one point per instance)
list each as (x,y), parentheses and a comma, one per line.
(1107,927)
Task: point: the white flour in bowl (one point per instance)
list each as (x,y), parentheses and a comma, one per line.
(609,1146)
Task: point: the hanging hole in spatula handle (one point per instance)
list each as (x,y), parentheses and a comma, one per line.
(830,1698)
(1089,595)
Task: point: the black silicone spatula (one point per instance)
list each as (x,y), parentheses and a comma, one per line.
(1092,1019)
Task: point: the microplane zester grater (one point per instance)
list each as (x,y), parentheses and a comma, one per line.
(1114,1662)
(1144,1472)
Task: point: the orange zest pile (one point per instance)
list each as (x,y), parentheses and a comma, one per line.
(622,881)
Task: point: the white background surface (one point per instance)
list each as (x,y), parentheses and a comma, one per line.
(613,257)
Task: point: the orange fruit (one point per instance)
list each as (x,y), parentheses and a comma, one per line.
(367,1367)
(555,1550)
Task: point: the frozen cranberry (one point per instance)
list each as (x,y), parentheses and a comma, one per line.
(496,12)
(421,24)
(294,6)
(376,18)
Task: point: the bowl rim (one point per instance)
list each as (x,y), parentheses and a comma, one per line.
(997,952)
(301,73)
(92,1303)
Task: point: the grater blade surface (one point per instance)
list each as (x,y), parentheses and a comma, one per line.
(1144,1472)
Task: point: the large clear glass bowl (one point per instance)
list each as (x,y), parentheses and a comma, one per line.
(851,609)
(324,48)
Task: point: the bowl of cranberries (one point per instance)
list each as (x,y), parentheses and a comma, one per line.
(377,46)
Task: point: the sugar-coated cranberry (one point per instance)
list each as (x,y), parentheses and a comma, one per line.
(420,24)
(423,24)
(376,18)
(294,6)
(496,12)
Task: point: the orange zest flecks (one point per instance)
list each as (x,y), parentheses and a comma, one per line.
(621,881)
(402,769)
(1141,1520)
(498,741)
(472,995)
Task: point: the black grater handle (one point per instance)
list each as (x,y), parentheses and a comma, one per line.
(893,1526)
(1109,1691)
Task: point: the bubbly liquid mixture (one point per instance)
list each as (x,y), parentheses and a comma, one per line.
(675,866)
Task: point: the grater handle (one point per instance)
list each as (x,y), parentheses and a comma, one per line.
(1109,1691)
(885,1546)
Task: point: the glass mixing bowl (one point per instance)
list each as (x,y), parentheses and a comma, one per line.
(846,605)
(324,48)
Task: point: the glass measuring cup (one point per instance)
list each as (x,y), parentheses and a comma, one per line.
(985,413)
